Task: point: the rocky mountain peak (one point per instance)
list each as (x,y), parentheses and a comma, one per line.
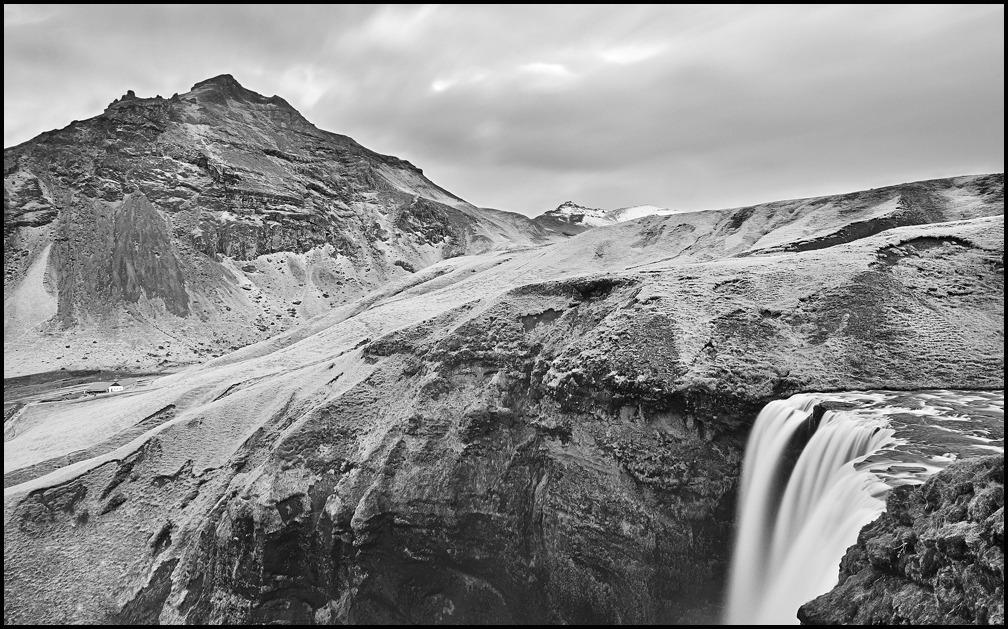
(196,214)
(221,80)
(570,206)
(223,88)
(130,95)
(569,218)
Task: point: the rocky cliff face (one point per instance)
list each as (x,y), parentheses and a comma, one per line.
(935,557)
(550,435)
(447,473)
(164,226)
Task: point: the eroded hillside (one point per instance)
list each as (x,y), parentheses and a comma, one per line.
(167,231)
(547,435)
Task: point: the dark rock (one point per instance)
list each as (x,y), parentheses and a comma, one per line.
(926,560)
(985,503)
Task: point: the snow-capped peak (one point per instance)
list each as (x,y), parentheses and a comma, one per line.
(570,212)
(574,213)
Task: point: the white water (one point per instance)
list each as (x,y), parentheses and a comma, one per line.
(790,539)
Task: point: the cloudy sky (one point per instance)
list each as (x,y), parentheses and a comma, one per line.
(522,108)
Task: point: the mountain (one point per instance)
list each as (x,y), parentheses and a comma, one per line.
(167,231)
(569,218)
(529,435)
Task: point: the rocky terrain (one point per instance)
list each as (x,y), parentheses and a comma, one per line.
(166,231)
(509,432)
(935,557)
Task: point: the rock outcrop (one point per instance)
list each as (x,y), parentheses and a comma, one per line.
(935,557)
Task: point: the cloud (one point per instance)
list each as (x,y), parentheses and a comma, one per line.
(440,85)
(541,76)
(524,107)
(632,53)
(395,27)
(551,70)
(21,14)
(304,83)
(462,78)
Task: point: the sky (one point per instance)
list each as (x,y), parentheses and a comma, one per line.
(523,108)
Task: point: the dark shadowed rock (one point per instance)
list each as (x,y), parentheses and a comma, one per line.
(935,557)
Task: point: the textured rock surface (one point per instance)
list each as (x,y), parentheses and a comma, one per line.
(177,222)
(935,557)
(450,479)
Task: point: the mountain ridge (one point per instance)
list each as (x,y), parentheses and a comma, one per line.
(236,177)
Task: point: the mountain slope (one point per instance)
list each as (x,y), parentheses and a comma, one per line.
(165,231)
(782,226)
(551,434)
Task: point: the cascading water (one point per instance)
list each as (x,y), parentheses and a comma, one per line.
(794,528)
(799,514)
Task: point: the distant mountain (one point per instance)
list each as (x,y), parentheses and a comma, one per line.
(569,218)
(167,230)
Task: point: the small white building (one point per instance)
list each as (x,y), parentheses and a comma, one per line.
(115,387)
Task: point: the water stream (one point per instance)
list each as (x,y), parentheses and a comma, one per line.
(812,478)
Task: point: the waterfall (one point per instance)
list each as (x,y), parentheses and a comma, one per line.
(795,524)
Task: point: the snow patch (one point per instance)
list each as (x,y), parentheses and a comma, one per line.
(32,303)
